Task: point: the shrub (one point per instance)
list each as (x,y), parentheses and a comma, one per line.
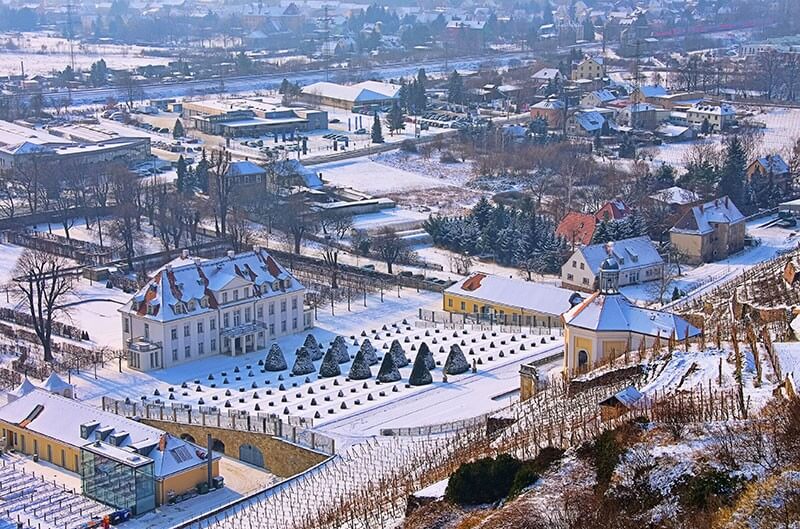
(708,490)
(483,481)
(447,157)
(408,146)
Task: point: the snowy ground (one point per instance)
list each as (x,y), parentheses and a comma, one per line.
(375,178)
(44,53)
(145,241)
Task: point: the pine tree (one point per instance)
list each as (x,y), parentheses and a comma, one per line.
(388,371)
(732,174)
(601,233)
(665,177)
(177,130)
(181,183)
(420,98)
(398,354)
(377,131)
(369,352)
(426,353)
(313,347)
(455,89)
(329,367)
(302,363)
(339,348)
(275,360)
(360,369)
(201,173)
(395,121)
(456,362)
(420,376)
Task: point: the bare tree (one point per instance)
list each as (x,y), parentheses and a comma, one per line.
(390,248)
(171,219)
(240,230)
(125,188)
(219,187)
(770,66)
(42,286)
(8,195)
(297,220)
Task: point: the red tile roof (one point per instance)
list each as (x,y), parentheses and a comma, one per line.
(577,228)
(473,283)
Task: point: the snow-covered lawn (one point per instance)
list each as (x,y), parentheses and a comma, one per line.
(372,177)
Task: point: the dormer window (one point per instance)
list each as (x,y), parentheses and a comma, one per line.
(192,305)
(276,285)
(204,302)
(287,283)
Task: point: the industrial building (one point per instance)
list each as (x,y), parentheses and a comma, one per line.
(237,118)
(82,144)
(366,95)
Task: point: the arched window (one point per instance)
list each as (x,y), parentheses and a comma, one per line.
(583,358)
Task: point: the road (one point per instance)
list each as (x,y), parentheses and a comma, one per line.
(252,83)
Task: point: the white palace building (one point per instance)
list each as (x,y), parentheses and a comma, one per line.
(194,308)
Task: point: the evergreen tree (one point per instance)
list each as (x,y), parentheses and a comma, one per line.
(339,348)
(395,121)
(426,353)
(303,365)
(420,98)
(275,360)
(420,376)
(360,369)
(403,95)
(285,87)
(705,127)
(732,174)
(601,233)
(201,173)
(588,30)
(313,347)
(369,352)
(177,130)
(455,89)
(388,371)
(181,183)
(665,177)
(329,367)
(456,362)
(377,132)
(398,354)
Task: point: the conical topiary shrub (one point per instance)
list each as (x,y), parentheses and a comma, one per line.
(313,348)
(329,366)
(388,371)
(456,363)
(275,360)
(302,363)
(426,353)
(369,352)
(360,369)
(339,348)
(398,354)
(420,375)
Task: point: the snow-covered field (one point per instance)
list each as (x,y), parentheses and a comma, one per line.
(372,177)
(44,53)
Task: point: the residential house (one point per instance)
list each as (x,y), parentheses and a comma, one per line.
(638,259)
(647,93)
(607,324)
(676,199)
(196,308)
(466,35)
(614,209)
(719,117)
(245,172)
(577,228)
(674,133)
(547,75)
(639,116)
(709,232)
(589,68)
(771,167)
(550,109)
(585,123)
(509,301)
(598,98)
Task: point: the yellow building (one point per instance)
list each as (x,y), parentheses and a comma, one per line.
(495,299)
(607,324)
(122,462)
(589,68)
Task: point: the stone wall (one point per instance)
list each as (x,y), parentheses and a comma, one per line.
(281,458)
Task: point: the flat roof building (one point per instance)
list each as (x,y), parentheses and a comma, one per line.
(254,117)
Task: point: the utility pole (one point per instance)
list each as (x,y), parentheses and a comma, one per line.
(70,37)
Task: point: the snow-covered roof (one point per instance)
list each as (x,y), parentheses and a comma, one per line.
(61,418)
(675,195)
(468,24)
(55,384)
(193,289)
(590,121)
(713,110)
(627,397)
(633,253)
(24,388)
(526,295)
(699,219)
(615,313)
(604,96)
(653,91)
(295,168)
(547,74)
(550,104)
(774,164)
(364,92)
(672,131)
(244,167)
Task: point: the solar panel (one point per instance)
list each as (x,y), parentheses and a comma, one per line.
(181,454)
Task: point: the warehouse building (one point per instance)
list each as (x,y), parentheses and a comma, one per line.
(366,95)
(251,118)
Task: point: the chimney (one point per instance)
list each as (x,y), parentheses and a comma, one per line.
(726,201)
(231,253)
(197,261)
(256,248)
(185,253)
(168,267)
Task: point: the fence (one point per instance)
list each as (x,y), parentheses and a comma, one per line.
(490,321)
(84,252)
(262,423)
